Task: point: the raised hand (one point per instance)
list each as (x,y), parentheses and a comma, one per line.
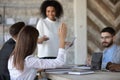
(62,35)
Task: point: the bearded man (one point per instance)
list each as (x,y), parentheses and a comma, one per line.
(111,53)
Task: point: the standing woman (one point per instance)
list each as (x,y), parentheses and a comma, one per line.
(23,65)
(51,12)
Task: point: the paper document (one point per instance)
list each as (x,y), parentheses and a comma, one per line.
(70,43)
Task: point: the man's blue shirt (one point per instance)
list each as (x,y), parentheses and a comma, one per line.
(108,55)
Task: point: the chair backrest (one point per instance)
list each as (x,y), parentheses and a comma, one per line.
(96,60)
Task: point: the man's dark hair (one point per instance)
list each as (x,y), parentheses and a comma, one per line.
(15,28)
(58,8)
(109,30)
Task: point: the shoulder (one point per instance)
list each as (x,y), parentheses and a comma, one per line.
(31,58)
(7,48)
(118,48)
(9,42)
(41,20)
(40,23)
(117,51)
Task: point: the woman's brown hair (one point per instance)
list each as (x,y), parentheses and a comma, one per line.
(25,45)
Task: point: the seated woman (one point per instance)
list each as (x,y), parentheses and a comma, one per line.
(23,65)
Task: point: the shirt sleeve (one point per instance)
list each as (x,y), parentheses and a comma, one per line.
(35,62)
(39,27)
(116,56)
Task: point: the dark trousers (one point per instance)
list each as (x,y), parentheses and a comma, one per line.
(48,58)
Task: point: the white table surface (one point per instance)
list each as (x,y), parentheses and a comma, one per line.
(99,75)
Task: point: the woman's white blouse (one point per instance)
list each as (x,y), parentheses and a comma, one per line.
(49,28)
(32,64)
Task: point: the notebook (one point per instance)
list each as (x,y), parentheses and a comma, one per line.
(81,72)
(77,70)
(60,70)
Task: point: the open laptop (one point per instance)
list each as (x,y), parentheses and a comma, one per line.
(96,60)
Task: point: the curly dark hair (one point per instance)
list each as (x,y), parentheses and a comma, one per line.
(58,7)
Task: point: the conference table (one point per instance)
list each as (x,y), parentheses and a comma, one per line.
(98,75)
